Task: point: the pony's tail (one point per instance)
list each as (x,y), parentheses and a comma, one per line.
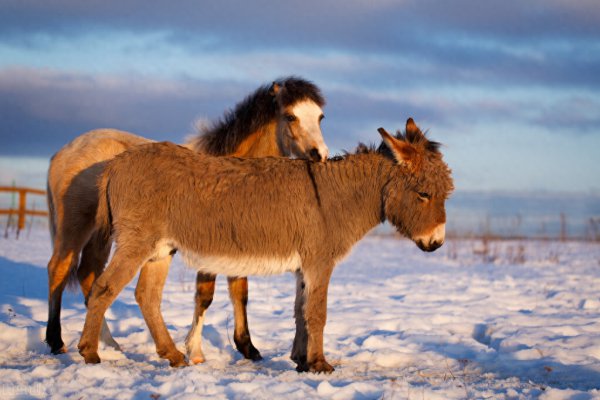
(51,211)
(103,214)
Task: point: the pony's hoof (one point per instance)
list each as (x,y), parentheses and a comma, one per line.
(197,360)
(59,350)
(247,349)
(252,354)
(196,357)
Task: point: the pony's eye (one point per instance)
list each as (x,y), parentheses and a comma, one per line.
(423,195)
(321,117)
(290,118)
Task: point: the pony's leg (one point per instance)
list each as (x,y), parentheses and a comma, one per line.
(205,290)
(301,337)
(238,292)
(316,282)
(93,258)
(118,274)
(61,263)
(148,294)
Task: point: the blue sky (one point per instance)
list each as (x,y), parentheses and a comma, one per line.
(511,88)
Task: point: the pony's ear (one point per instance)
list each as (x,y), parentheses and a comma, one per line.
(402,151)
(275,88)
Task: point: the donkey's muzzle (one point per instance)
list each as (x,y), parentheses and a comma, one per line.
(430,246)
(315,155)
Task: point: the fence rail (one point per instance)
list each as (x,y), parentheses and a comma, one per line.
(22,210)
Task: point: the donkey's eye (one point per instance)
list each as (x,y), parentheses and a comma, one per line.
(321,117)
(423,195)
(290,118)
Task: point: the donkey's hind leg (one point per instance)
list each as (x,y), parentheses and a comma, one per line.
(110,283)
(238,292)
(93,258)
(148,294)
(205,290)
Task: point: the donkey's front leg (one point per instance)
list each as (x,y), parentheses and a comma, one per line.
(316,282)
(148,294)
(301,338)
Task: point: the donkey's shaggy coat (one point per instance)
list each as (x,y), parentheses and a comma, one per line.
(260,216)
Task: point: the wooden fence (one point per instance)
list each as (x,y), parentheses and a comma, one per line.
(22,210)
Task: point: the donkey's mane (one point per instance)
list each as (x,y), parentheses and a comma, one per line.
(415,137)
(258,109)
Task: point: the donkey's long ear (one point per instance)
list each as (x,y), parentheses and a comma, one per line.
(403,152)
(275,88)
(411,127)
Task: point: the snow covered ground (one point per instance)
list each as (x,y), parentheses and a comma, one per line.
(506,320)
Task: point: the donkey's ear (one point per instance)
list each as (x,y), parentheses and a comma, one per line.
(411,127)
(402,151)
(275,88)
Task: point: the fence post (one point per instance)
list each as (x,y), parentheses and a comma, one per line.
(22,205)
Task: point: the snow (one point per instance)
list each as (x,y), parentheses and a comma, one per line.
(508,320)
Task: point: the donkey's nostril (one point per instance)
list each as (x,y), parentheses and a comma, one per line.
(431,246)
(314,154)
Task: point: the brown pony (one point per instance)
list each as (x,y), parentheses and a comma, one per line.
(241,217)
(282,119)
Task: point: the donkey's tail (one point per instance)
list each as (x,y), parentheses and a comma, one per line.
(103,214)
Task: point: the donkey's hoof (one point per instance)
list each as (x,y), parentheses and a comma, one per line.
(91,358)
(178,363)
(178,360)
(321,367)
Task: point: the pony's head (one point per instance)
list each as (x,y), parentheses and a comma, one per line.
(299,120)
(415,196)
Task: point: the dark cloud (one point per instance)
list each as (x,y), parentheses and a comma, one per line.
(543,42)
(372,25)
(43,110)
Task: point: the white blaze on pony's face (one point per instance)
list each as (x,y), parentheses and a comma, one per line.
(302,124)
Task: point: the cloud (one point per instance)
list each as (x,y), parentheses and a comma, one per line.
(507,43)
(43,109)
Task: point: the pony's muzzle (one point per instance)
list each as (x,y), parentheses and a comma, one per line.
(315,155)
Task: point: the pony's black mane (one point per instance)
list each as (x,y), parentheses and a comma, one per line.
(258,109)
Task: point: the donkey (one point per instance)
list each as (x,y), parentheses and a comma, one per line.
(282,119)
(243,217)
